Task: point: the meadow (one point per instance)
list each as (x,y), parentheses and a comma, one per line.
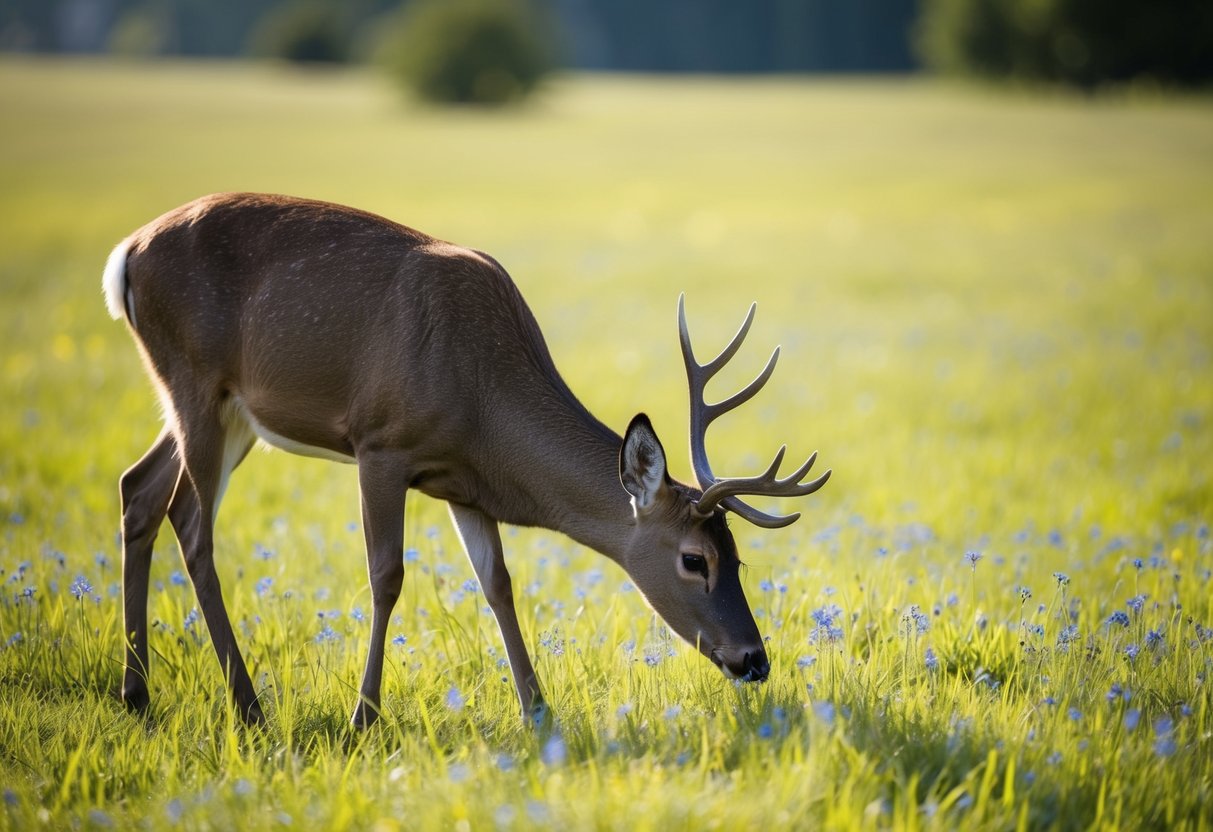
(996,315)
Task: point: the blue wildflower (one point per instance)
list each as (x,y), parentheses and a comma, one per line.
(399,641)
(80,587)
(1068,635)
(1118,618)
(555,752)
(824,711)
(1164,737)
(916,621)
(765,731)
(1154,639)
(805,662)
(96,817)
(1132,718)
(411,555)
(455,700)
(1131,651)
(826,628)
(263,586)
(1136,603)
(930,660)
(971,559)
(178,579)
(1062,578)
(825,616)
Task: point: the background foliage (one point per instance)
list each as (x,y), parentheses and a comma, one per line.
(468,51)
(995,318)
(1079,42)
(1084,43)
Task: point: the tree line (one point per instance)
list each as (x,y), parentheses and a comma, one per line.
(1080,42)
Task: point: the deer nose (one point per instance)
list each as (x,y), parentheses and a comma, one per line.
(751,666)
(756,666)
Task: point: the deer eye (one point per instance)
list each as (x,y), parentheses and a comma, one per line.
(696,564)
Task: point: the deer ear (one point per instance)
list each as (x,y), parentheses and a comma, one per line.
(642,464)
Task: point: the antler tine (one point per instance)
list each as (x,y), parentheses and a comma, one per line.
(772,521)
(746,393)
(766,484)
(723,493)
(712,367)
(698,375)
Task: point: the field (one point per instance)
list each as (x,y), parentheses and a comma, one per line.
(996,314)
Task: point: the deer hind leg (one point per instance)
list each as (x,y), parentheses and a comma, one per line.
(213,444)
(146,489)
(482,542)
(383,482)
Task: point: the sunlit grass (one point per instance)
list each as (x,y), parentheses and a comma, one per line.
(995,315)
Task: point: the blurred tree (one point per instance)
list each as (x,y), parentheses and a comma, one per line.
(468,51)
(1085,43)
(303,31)
(142,31)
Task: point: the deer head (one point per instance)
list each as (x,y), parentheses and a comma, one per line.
(682,555)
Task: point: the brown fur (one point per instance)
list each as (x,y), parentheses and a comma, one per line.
(345,334)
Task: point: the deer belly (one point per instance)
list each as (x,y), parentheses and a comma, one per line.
(286,443)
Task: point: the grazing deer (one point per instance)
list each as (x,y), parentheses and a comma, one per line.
(331,332)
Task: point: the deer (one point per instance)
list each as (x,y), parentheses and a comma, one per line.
(331,332)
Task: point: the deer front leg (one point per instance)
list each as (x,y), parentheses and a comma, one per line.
(482,542)
(383,483)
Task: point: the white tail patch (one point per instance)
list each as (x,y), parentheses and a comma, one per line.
(113,284)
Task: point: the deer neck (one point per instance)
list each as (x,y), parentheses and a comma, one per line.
(566,478)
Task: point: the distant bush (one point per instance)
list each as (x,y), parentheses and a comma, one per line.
(467,51)
(1081,42)
(308,31)
(142,32)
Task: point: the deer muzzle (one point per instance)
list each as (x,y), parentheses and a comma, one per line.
(748,664)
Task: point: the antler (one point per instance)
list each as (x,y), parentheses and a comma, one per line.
(723,492)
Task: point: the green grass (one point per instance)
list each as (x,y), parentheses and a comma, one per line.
(996,314)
